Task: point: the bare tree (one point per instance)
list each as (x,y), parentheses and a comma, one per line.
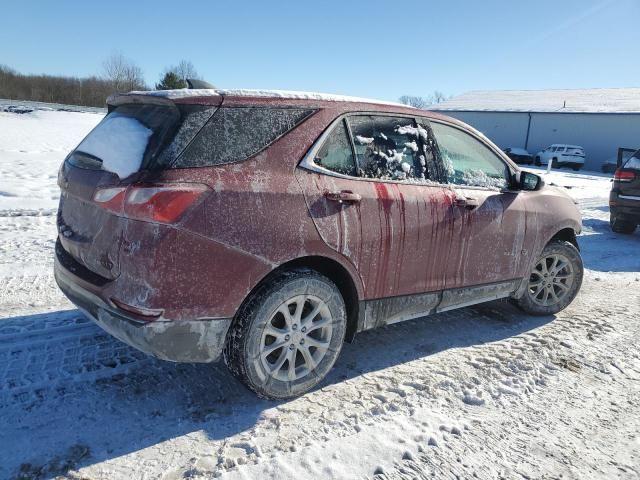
(185,69)
(122,73)
(418,102)
(423,102)
(438,97)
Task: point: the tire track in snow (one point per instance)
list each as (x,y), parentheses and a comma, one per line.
(44,351)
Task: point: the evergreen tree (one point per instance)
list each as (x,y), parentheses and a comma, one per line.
(171,81)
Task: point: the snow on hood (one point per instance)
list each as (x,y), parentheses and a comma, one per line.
(243,92)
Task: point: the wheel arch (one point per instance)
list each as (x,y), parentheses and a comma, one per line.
(567,234)
(336,272)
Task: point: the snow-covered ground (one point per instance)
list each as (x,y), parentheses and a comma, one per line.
(484,392)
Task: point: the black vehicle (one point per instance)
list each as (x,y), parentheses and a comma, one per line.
(519,155)
(624,200)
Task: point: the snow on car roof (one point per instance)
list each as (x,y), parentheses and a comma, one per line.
(593,100)
(243,92)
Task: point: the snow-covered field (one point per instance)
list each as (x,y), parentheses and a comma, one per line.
(484,392)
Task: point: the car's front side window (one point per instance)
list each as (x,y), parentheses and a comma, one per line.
(467,160)
(336,153)
(387,147)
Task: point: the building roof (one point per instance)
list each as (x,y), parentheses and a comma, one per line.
(592,100)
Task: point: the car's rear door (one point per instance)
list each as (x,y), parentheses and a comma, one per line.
(380,213)
(493,235)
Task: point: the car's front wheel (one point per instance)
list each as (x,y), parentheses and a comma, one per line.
(537,162)
(554,281)
(288,335)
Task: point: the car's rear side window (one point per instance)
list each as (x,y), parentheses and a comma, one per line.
(387,147)
(336,153)
(236,133)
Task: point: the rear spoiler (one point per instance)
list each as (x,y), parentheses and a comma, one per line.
(123,98)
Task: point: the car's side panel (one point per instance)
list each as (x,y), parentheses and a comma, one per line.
(397,236)
(549,211)
(492,242)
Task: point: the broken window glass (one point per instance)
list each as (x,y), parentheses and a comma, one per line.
(387,148)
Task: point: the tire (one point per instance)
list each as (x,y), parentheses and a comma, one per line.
(564,282)
(619,225)
(555,163)
(537,162)
(261,323)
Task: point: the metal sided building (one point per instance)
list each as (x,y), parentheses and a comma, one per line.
(599,119)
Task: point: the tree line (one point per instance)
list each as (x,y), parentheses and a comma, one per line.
(119,74)
(423,102)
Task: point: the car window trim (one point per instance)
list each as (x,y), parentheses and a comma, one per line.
(354,155)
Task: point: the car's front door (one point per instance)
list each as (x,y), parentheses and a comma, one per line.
(378,210)
(493,236)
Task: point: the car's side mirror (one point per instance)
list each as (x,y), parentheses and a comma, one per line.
(530,181)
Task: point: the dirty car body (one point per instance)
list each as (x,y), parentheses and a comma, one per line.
(404,211)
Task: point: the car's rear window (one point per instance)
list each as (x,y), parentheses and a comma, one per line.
(236,133)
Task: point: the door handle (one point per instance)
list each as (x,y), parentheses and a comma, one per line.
(345,196)
(466,202)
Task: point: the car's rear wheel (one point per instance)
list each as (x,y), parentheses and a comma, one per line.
(288,335)
(537,162)
(620,225)
(554,281)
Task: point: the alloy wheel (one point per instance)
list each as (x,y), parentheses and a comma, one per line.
(296,337)
(551,279)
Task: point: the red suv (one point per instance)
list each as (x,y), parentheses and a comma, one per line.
(271,227)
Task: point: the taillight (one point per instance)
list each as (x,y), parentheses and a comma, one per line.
(151,203)
(111,199)
(624,176)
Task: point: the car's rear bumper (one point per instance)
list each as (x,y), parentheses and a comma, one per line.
(173,340)
(626,206)
(569,159)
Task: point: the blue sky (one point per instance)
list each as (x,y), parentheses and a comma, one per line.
(367,48)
